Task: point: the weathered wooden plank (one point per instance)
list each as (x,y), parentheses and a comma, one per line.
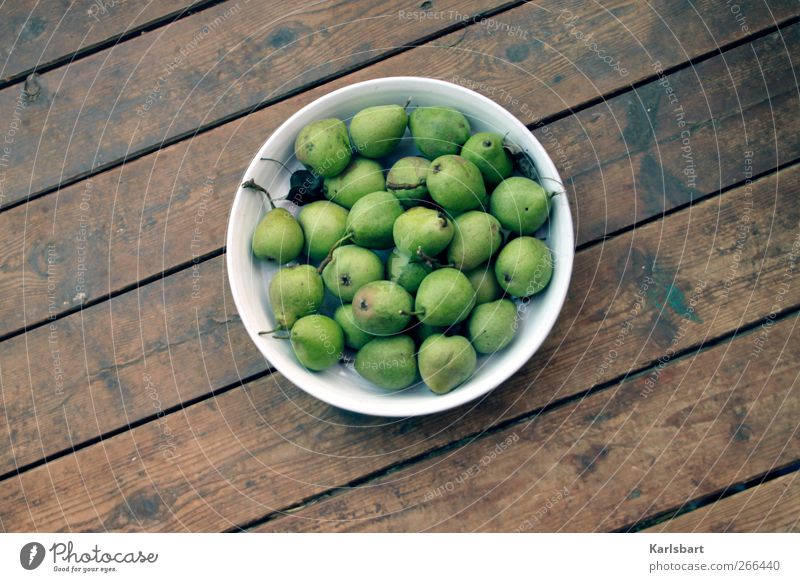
(140,95)
(195,180)
(249,452)
(668,142)
(170,81)
(771,507)
(601,463)
(121,361)
(37,34)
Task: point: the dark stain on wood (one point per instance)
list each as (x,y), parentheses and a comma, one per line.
(139,507)
(634,494)
(282,37)
(587,461)
(517,53)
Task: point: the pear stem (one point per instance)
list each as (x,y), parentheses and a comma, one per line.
(557,192)
(409,313)
(408,102)
(274,331)
(253,186)
(277,162)
(432,262)
(335,246)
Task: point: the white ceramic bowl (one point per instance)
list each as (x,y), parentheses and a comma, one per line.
(341,385)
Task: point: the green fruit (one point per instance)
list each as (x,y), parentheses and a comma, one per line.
(424,229)
(354,337)
(278,237)
(371,219)
(438,131)
(520,204)
(324,224)
(376,131)
(524,266)
(446,362)
(485,284)
(382,308)
(295,292)
(492,325)
(317,341)
(406,180)
(456,184)
(388,362)
(444,297)
(323,146)
(486,151)
(406,271)
(476,240)
(359,178)
(351,268)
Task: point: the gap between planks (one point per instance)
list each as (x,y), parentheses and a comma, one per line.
(109,42)
(387,55)
(530,415)
(695,348)
(710,498)
(130,157)
(219,252)
(706,500)
(137,423)
(689,350)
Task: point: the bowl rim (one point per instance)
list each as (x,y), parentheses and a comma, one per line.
(457,397)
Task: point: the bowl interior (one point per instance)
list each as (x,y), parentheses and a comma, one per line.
(341,385)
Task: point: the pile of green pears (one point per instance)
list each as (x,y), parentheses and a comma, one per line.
(422,264)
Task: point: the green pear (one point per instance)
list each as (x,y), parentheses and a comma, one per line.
(406,180)
(317,341)
(485,284)
(444,297)
(406,270)
(485,150)
(388,362)
(438,131)
(476,240)
(492,325)
(295,292)
(278,237)
(323,146)
(354,336)
(520,204)
(524,266)
(371,219)
(422,229)
(351,268)
(376,131)
(456,184)
(361,177)
(324,224)
(382,308)
(446,362)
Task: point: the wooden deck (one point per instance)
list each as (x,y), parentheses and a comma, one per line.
(665,399)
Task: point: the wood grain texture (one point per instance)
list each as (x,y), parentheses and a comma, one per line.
(206,67)
(121,361)
(697,131)
(770,507)
(259,53)
(37,34)
(606,461)
(142,218)
(249,452)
